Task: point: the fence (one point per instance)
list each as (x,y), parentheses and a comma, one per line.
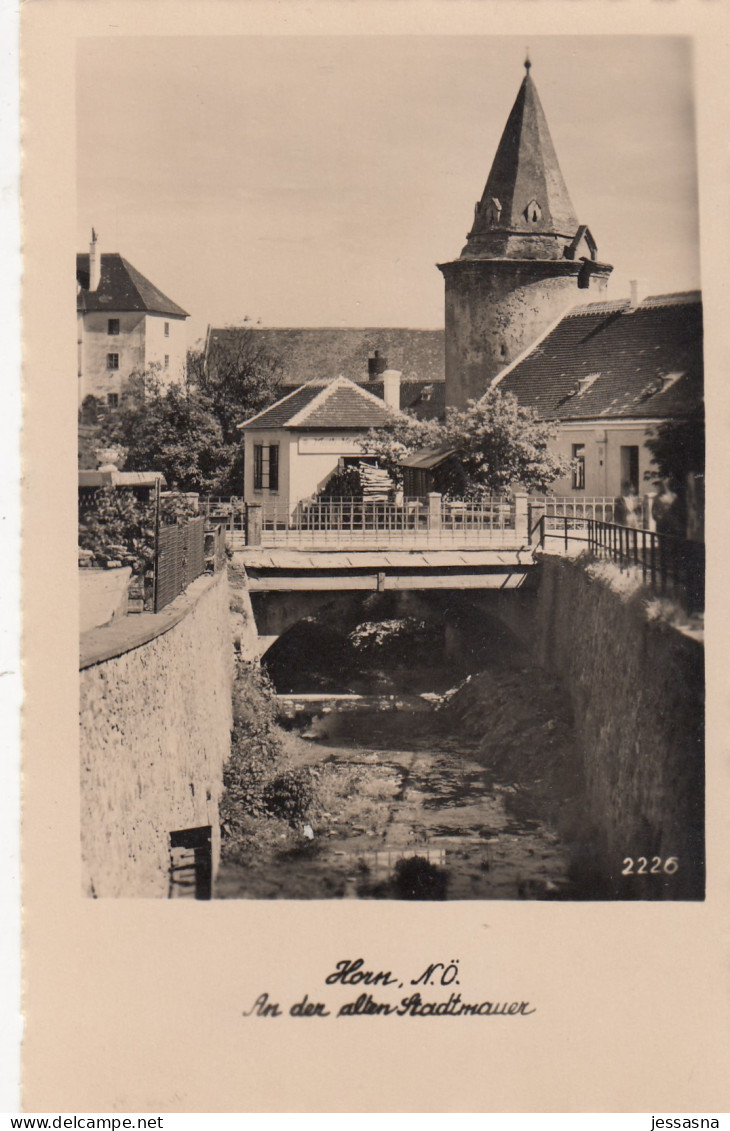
(229,511)
(556,508)
(671,566)
(412,523)
(179,559)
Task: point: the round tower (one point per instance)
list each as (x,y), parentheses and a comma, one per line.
(526,259)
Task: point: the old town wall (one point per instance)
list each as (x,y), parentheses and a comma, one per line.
(155,702)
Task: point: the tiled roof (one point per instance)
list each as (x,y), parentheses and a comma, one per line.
(428,458)
(121,288)
(316,353)
(424,399)
(337,404)
(279,413)
(609,360)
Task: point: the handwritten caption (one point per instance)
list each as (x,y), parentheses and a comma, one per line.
(431,1000)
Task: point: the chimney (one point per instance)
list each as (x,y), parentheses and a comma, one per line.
(94,263)
(376,366)
(638,292)
(391,389)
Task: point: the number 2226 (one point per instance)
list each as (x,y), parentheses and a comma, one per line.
(668,866)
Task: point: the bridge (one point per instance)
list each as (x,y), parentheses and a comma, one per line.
(320,553)
(348,544)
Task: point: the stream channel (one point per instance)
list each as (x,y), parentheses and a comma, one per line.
(412,721)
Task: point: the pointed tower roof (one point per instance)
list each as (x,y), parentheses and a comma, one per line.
(525,193)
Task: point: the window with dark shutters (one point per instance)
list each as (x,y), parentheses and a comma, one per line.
(274,467)
(258,467)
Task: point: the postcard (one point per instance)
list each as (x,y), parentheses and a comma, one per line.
(372,761)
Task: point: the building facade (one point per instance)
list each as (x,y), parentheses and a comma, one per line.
(526,261)
(125,325)
(293,447)
(609,375)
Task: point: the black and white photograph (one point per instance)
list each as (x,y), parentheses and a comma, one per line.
(390,468)
(375,716)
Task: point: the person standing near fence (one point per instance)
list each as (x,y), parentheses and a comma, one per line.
(668,511)
(628,507)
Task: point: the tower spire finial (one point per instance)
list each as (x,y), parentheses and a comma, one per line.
(528,64)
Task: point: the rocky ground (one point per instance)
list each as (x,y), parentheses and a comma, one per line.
(398,812)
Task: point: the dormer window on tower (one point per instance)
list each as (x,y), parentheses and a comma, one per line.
(533,212)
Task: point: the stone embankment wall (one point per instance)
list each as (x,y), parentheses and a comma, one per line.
(637,691)
(155,733)
(243,625)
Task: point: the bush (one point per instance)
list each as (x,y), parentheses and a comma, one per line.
(417,878)
(290,795)
(256,745)
(114,525)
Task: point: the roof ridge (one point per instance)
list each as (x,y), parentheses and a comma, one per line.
(340,382)
(671,298)
(274,404)
(324,393)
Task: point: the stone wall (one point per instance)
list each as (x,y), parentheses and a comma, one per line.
(155,733)
(637,690)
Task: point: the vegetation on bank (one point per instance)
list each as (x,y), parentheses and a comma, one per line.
(262,789)
(114,525)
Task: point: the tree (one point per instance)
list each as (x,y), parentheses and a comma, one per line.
(399,437)
(500,444)
(239,374)
(678,447)
(173,430)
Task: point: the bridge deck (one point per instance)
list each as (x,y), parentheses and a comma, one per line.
(274,569)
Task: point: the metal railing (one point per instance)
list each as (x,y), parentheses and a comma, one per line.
(230,510)
(411,523)
(179,559)
(578,508)
(669,565)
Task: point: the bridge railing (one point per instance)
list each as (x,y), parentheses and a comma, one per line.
(556,508)
(229,510)
(671,566)
(411,523)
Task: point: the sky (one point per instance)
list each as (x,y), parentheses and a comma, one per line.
(316,181)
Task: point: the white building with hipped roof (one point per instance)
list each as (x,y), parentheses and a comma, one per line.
(125,325)
(294,446)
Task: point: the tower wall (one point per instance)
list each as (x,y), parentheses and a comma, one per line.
(495,309)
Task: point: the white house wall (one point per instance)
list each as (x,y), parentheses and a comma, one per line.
(266,437)
(158,346)
(306,461)
(603,442)
(141,342)
(96,342)
(314,458)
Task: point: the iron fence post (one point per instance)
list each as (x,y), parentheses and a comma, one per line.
(155,579)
